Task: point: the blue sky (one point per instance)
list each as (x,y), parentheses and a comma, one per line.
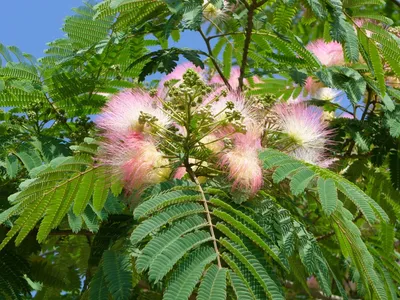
(30,24)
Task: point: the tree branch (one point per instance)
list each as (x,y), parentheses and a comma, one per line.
(249,29)
(210,55)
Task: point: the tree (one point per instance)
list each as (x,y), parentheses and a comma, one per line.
(264,166)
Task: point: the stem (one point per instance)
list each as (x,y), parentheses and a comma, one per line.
(367,105)
(249,30)
(192,175)
(210,55)
(194,178)
(223,35)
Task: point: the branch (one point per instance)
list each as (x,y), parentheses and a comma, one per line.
(367,105)
(249,29)
(205,204)
(210,55)
(223,34)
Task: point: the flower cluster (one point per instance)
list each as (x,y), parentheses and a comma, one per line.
(329,54)
(196,127)
(306,130)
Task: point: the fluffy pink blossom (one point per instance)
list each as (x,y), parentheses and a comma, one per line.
(329,54)
(120,116)
(177,74)
(306,128)
(135,161)
(180,172)
(242,162)
(233,79)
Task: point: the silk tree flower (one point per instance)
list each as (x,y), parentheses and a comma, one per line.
(313,156)
(121,115)
(326,94)
(329,54)
(317,90)
(305,128)
(213,13)
(242,162)
(233,79)
(177,74)
(135,161)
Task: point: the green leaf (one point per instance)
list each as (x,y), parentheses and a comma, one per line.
(359,199)
(74,221)
(170,197)
(377,66)
(248,233)
(169,215)
(154,249)
(301,180)
(98,287)
(285,170)
(317,8)
(84,192)
(12,166)
(30,158)
(389,104)
(346,79)
(255,268)
(394,167)
(118,273)
(328,195)
(351,49)
(213,285)
(387,238)
(100,191)
(187,274)
(48,222)
(242,290)
(172,252)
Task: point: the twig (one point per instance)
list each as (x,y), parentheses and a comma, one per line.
(249,29)
(367,105)
(194,178)
(223,34)
(210,55)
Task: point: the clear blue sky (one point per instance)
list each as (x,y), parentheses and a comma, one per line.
(30,24)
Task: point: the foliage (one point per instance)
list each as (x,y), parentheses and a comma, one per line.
(70,229)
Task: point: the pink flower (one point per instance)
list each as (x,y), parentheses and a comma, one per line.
(135,161)
(121,114)
(233,79)
(242,162)
(177,74)
(306,129)
(329,54)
